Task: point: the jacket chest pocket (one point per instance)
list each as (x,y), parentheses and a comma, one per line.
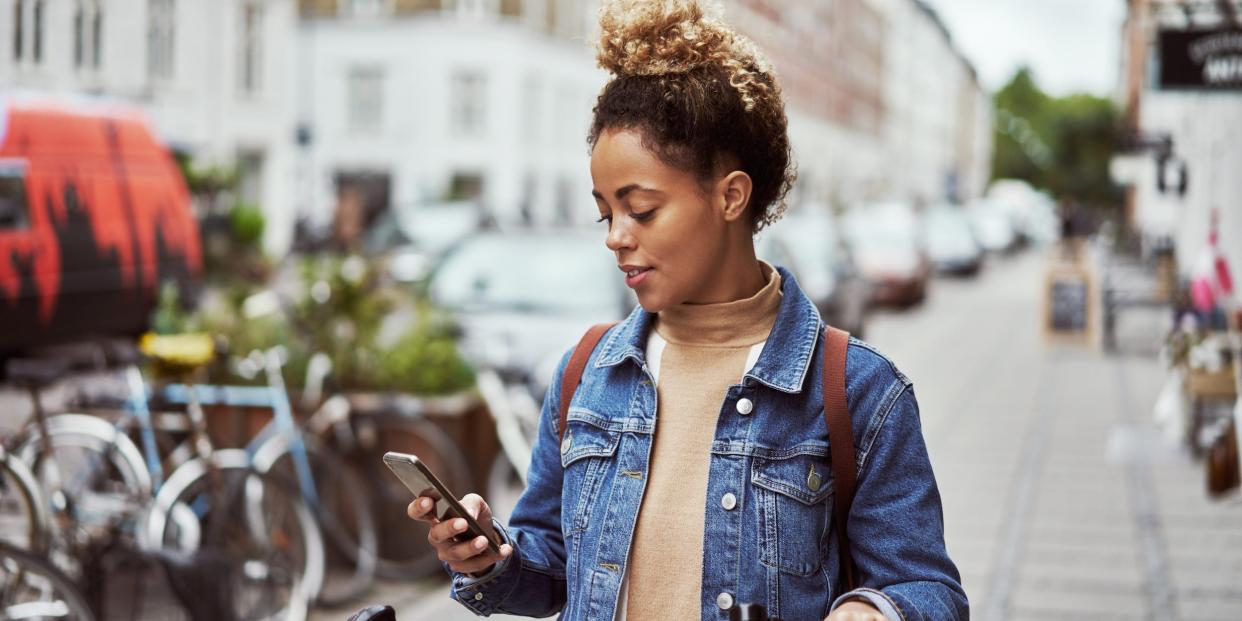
(586,453)
(794,501)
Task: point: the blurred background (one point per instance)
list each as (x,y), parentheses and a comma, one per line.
(248,246)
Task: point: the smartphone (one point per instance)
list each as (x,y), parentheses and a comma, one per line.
(419,479)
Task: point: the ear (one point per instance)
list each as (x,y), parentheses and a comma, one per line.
(733,194)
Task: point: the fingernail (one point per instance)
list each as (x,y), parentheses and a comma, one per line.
(480,543)
(425,503)
(459,525)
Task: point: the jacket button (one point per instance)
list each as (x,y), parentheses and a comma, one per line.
(478,597)
(728,501)
(724,601)
(566,443)
(745,406)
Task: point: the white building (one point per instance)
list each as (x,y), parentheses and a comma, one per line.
(380,103)
(216,78)
(1203,124)
(410,102)
(938,126)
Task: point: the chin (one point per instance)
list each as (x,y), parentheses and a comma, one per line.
(653,303)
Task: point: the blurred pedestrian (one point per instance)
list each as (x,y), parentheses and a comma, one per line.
(694,473)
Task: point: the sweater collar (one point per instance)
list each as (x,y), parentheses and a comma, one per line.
(738,323)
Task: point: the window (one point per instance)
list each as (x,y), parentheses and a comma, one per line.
(79,36)
(18,28)
(250,177)
(365,90)
(87,31)
(97,36)
(250,54)
(511,8)
(38,31)
(160,31)
(13,215)
(468,100)
(412,7)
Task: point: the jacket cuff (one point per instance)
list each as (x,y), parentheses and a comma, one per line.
(483,594)
(882,602)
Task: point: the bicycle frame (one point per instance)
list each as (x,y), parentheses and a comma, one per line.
(273,396)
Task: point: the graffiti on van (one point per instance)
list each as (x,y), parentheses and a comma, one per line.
(94,214)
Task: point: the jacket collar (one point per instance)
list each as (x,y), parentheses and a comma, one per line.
(783,363)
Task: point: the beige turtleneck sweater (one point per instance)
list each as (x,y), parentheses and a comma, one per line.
(696,352)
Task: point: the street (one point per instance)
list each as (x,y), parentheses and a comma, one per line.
(1061,501)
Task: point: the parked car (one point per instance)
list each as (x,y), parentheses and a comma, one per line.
(992,227)
(951,243)
(809,243)
(890,252)
(408,239)
(524,297)
(94,217)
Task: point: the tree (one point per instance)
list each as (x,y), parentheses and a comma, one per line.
(1063,145)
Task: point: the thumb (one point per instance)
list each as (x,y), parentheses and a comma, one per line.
(476,506)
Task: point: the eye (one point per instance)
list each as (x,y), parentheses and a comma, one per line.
(603,218)
(644,216)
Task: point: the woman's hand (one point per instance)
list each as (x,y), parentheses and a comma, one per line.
(856,610)
(465,557)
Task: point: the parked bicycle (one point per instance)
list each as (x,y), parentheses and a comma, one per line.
(101,487)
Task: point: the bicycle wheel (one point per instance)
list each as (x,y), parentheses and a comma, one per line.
(24,521)
(262,531)
(93,479)
(33,588)
(404,551)
(342,510)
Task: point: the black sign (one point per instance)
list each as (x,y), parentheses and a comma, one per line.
(1069,305)
(1210,59)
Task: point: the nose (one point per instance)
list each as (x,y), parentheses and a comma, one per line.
(619,237)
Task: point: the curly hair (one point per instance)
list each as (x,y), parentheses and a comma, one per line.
(700,95)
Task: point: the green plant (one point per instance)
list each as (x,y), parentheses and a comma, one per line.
(427,360)
(247,223)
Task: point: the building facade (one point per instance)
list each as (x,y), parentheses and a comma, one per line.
(416,102)
(388,104)
(1181,85)
(216,78)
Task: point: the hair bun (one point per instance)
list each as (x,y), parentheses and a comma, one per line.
(646,37)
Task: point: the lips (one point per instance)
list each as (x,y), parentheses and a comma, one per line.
(633,270)
(635,274)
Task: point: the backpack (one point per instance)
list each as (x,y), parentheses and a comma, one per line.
(836,414)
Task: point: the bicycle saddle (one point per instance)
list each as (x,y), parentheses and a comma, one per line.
(37,372)
(375,613)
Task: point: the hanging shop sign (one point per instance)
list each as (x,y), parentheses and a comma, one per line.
(1201,59)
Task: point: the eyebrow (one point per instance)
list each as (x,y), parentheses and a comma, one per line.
(623,191)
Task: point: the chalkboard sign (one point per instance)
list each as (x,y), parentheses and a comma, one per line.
(1069,303)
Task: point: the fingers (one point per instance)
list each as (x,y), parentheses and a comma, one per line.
(481,563)
(421,510)
(855,610)
(445,532)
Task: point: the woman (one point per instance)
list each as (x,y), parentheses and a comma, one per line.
(694,473)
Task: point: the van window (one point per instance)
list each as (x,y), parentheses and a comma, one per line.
(13,214)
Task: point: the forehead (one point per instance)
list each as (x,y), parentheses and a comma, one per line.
(620,158)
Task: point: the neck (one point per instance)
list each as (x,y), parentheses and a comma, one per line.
(740,276)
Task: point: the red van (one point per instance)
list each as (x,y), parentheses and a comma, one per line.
(94,214)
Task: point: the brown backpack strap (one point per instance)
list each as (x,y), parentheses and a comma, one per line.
(841,439)
(577,364)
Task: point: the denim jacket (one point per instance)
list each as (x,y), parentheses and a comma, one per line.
(772,542)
